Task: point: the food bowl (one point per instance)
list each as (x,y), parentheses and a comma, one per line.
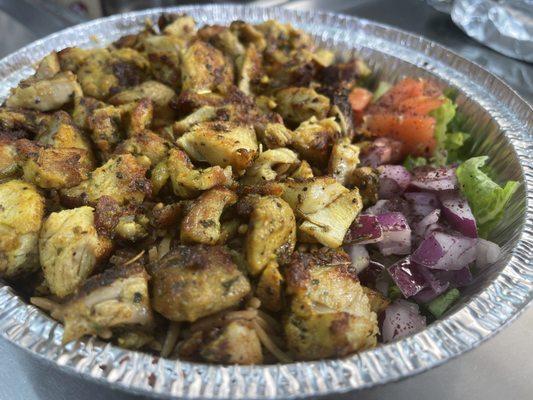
(501,124)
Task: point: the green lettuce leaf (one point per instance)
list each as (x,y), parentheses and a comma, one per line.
(453,143)
(486,198)
(383,87)
(411,162)
(443,115)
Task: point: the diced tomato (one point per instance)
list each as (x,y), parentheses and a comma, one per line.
(402,114)
(415,132)
(359,98)
(421,105)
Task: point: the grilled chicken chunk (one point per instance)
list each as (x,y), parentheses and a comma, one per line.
(234,343)
(21,214)
(330,314)
(201,223)
(204,68)
(9,164)
(122,178)
(220,143)
(343,160)
(116,299)
(187,180)
(298,104)
(269,165)
(271,233)
(70,249)
(159,94)
(313,139)
(47,94)
(191,282)
(105,72)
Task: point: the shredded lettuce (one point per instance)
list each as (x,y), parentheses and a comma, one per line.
(486,198)
(453,144)
(383,87)
(443,116)
(411,162)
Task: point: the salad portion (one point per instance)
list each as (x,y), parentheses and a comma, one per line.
(238,195)
(425,236)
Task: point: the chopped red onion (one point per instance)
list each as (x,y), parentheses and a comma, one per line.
(434,179)
(365,229)
(369,276)
(401,319)
(486,253)
(445,251)
(393,180)
(407,277)
(458,278)
(422,203)
(359,256)
(396,234)
(427,223)
(382,151)
(457,212)
(388,206)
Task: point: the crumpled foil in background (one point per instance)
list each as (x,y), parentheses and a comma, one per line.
(503,25)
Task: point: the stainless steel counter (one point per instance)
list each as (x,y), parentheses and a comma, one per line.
(499,369)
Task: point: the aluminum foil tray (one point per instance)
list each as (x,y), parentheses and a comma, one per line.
(502,127)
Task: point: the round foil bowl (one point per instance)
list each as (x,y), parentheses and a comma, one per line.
(501,124)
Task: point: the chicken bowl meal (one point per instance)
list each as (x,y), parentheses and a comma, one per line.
(240,194)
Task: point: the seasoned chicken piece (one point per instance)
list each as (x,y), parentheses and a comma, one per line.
(60,132)
(330,224)
(329,312)
(48,67)
(202,114)
(249,69)
(304,171)
(233,343)
(106,72)
(186,179)
(344,75)
(71,58)
(221,143)
(70,249)
(276,135)
(47,94)
(18,124)
(158,93)
(201,223)
(106,125)
(122,178)
(284,36)
(115,299)
(343,160)
(204,68)
(83,109)
(182,27)
(269,287)
(269,165)
(163,53)
(21,214)
(223,39)
(298,104)
(145,143)
(191,282)
(378,302)
(249,34)
(52,168)
(9,165)
(367,180)
(271,233)
(313,139)
(307,196)
(166,215)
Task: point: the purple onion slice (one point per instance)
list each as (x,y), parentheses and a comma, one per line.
(434,179)
(365,229)
(445,251)
(457,212)
(407,277)
(396,234)
(393,180)
(401,319)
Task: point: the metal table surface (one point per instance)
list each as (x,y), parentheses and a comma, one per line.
(499,368)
